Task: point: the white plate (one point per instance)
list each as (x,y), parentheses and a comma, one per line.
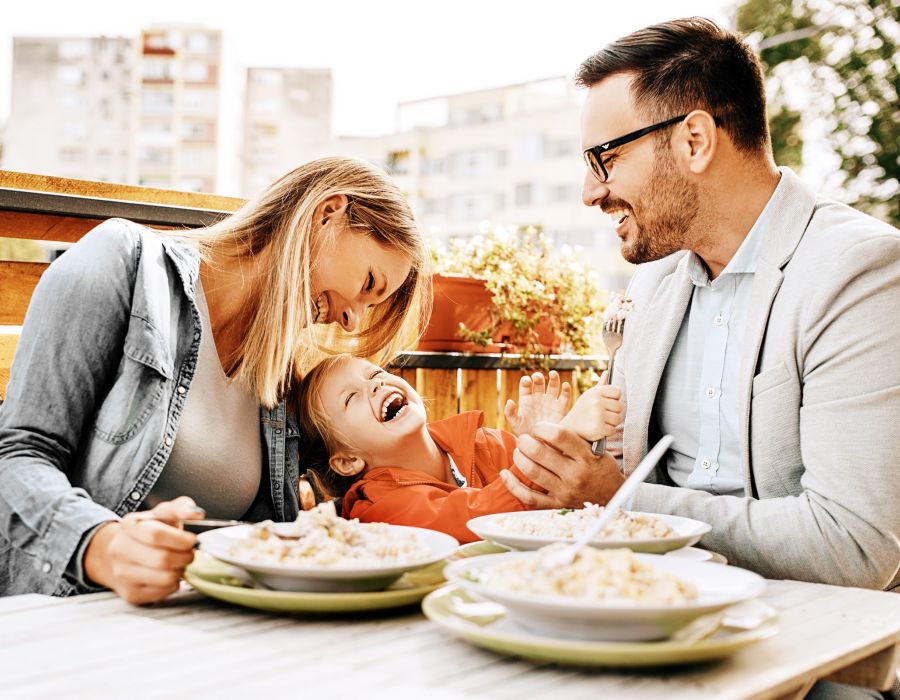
(219,543)
(718,587)
(686,533)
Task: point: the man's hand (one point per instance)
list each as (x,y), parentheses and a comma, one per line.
(143,556)
(538,401)
(561,462)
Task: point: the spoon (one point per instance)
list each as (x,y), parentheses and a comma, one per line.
(567,554)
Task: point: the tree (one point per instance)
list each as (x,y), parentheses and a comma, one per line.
(841,58)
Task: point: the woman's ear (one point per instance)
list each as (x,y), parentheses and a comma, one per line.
(331,206)
(346,463)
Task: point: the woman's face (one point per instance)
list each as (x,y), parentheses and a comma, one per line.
(351,274)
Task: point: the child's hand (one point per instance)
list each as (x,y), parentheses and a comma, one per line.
(537,402)
(597,413)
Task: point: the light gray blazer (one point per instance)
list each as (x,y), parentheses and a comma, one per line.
(820,397)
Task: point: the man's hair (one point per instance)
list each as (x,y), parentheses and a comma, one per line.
(689,64)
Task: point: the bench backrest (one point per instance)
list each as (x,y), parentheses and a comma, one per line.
(55,209)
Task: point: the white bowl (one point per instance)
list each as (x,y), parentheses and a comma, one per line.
(323,579)
(718,587)
(686,533)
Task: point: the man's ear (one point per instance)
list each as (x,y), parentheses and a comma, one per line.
(335,205)
(346,463)
(698,140)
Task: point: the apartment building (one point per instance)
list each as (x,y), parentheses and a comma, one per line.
(175,112)
(509,155)
(287,121)
(70,113)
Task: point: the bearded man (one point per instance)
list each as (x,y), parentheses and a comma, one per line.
(765,335)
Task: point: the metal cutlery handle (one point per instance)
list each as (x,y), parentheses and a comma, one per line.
(598,447)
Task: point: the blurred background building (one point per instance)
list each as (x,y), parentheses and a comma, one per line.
(71,107)
(159,108)
(175,109)
(287,120)
(510,155)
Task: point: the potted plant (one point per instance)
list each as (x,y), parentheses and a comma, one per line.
(510,290)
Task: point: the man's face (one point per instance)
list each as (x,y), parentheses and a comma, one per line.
(652,203)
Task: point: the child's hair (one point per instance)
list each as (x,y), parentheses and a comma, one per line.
(319,437)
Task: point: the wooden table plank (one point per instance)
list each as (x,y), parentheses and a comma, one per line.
(195,647)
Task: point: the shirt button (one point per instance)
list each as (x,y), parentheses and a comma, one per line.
(135,495)
(706,464)
(181,390)
(46,567)
(710,391)
(168,442)
(718,320)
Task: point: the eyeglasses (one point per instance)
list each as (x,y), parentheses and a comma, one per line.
(594,155)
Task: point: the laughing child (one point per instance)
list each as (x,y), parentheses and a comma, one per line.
(366,440)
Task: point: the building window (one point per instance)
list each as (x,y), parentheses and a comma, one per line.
(157,70)
(564,193)
(71,155)
(528,149)
(397,162)
(524,194)
(157,103)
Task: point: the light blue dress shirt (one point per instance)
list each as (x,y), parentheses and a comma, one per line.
(698,401)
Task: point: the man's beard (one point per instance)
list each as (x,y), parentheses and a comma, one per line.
(667,213)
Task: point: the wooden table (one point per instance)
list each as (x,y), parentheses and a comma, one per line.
(97,646)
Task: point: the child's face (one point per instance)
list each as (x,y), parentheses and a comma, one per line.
(372,410)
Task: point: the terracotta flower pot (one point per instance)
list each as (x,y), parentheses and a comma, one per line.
(466,300)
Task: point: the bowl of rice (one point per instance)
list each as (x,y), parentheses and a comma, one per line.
(640,532)
(322,552)
(608,594)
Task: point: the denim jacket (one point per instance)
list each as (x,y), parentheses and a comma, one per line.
(107,353)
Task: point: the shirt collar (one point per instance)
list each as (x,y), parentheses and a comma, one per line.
(744,259)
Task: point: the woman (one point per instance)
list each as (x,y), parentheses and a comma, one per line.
(144,359)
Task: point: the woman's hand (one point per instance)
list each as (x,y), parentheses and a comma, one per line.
(143,556)
(537,402)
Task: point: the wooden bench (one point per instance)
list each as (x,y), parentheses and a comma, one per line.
(62,210)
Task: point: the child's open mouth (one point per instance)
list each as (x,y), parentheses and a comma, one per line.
(393,405)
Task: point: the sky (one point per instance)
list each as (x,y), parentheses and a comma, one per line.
(381,52)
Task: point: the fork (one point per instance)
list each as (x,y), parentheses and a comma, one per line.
(613,329)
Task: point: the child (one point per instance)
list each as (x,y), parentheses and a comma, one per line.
(366,440)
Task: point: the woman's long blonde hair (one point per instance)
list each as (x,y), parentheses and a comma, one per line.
(282,342)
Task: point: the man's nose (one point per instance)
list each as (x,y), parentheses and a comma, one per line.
(593,192)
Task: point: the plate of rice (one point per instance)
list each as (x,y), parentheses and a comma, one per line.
(322,552)
(640,532)
(608,594)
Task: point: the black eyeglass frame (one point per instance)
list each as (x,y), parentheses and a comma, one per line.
(594,154)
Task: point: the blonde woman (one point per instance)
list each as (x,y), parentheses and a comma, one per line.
(147,386)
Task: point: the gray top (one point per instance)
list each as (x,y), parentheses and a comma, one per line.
(217,455)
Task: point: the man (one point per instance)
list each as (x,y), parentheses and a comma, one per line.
(765,334)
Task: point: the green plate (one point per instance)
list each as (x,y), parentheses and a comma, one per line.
(499,634)
(476,549)
(210,576)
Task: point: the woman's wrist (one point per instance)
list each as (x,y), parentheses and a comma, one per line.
(96,564)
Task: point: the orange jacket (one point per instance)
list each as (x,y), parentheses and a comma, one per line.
(409,497)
